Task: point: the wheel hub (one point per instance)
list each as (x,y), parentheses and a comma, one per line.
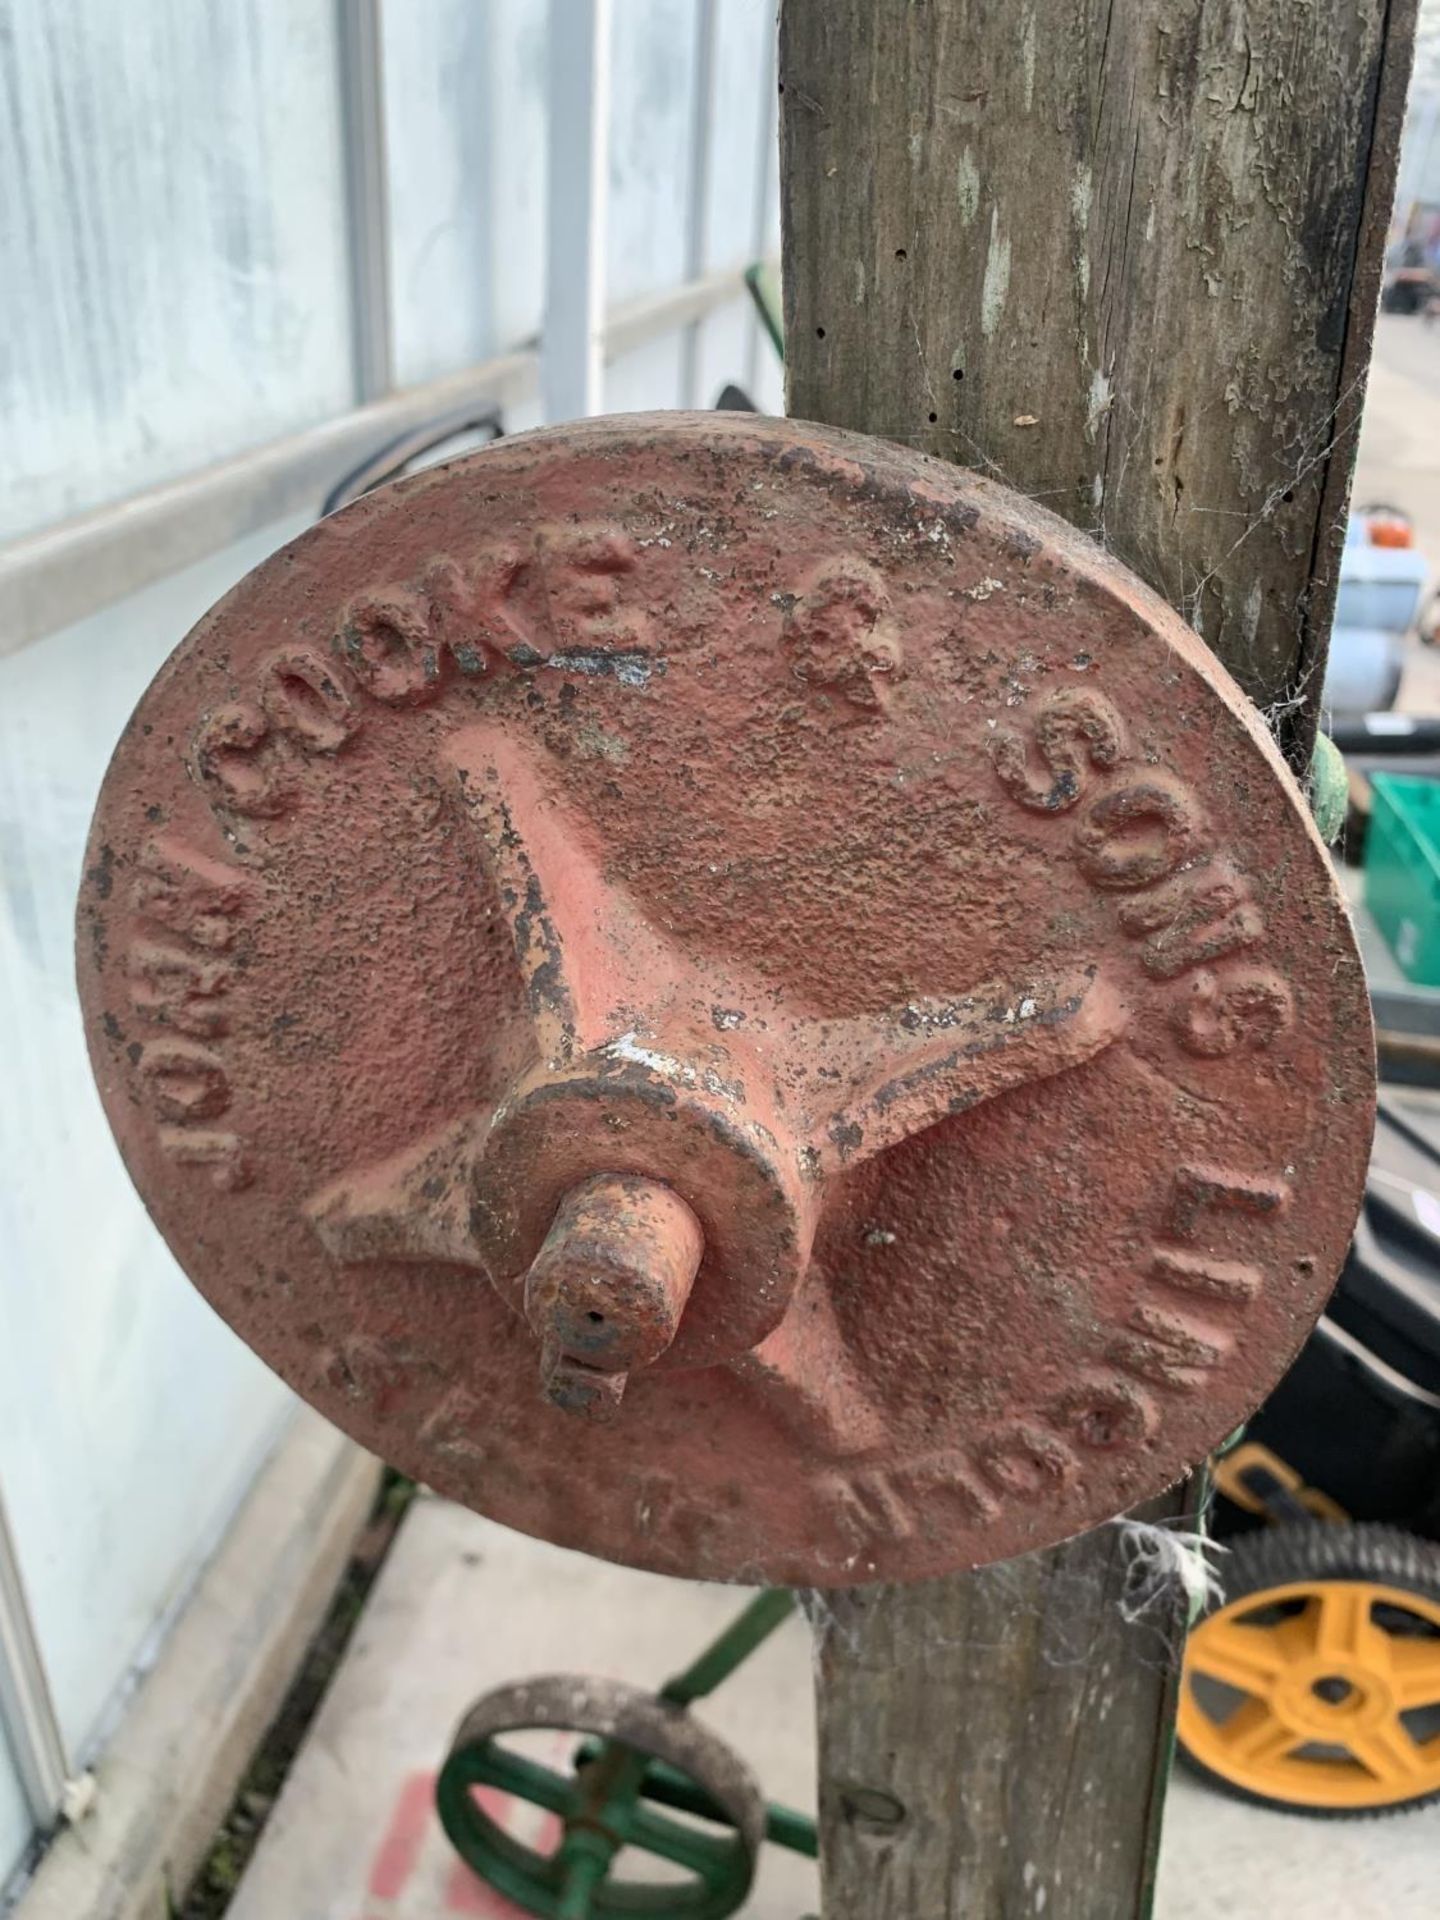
(1315,1699)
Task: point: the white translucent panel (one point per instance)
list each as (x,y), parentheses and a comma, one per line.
(14,1818)
(654,44)
(767,385)
(524,415)
(722,351)
(131,1419)
(647,377)
(742,115)
(770,193)
(466,144)
(172,246)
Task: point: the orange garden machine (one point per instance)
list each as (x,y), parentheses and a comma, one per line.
(736,998)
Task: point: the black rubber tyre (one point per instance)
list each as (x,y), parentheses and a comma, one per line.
(1325,1557)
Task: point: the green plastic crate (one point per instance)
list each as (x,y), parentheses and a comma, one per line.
(1402,872)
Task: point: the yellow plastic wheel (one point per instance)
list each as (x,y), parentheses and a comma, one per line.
(1315,1685)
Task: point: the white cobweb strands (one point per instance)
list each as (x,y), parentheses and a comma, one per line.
(1158,1559)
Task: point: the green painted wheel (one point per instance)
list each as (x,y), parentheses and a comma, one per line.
(605,1805)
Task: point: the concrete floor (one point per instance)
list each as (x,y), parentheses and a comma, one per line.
(463,1606)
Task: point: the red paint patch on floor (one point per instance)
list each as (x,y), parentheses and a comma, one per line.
(399,1851)
(414,1821)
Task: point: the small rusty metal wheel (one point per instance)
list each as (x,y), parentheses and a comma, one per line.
(1315,1687)
(603,1806)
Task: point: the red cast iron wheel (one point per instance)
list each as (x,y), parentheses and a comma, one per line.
(757,941)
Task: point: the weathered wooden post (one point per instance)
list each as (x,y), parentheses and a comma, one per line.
(1125,257)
